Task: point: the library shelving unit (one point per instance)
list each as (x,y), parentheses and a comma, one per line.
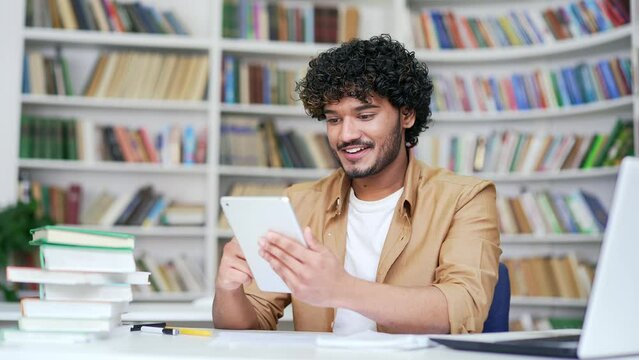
(590,117)
(206,183)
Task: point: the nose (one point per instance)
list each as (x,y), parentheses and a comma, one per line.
(350,130)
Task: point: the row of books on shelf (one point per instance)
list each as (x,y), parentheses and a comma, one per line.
(526,322)
(176,274)
(284,21)
(134,75)
(64,139)
(143,207)
(103,15)
(448,29)
(521,152)
(539,89)
(549,212)
(51,138)
(552,276)
(250,82)
(172,145)
(85,283)
(253,142)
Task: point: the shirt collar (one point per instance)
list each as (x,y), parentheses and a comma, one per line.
(412,177)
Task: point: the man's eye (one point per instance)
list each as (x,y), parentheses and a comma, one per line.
(366,116)
(332,120)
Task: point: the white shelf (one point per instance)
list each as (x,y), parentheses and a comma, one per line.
(114,103)
(524,52)
(548,302)
(622,103)
(285,173)
(273,48)
(111,167)
(260,109)
(84,37)
(551,239)
(154,231)
(571,174)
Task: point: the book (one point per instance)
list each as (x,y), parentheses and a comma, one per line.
(77,258)
(109,293)
(36,308)
(55,234)
(67,325)
(37,275)
(15,336)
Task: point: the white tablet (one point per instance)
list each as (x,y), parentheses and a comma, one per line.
(251,217)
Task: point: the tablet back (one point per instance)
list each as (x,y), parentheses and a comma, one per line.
(250,218)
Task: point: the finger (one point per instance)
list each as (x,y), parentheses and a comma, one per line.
(291,262)
(239,265)
(312,243)
(291,246)
(280,268)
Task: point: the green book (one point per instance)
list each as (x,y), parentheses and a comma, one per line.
(70,236)
(548,213)
(594,151)
(68,86)
(475,29)
(555,88)
(603,154)
(566,323)
(26,137)
(70,140)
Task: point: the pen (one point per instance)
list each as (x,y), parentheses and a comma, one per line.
(191,331)
(159,330)
(137,327)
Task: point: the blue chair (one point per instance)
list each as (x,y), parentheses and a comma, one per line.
(497,319)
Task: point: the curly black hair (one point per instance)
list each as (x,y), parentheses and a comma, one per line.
(360,68)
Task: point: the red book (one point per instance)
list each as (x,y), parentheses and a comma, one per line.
(148,145)
(72,203)
(469,32)
(453,30)
(200,150)
(507,87)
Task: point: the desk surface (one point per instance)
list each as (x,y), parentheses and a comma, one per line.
(143,346)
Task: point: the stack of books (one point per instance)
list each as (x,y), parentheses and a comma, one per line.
(85,285)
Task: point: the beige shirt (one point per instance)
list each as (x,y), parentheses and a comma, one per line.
(444,233)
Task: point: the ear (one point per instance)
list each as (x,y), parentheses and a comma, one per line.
(407,117)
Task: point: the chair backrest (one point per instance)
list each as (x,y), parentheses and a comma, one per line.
(497,319)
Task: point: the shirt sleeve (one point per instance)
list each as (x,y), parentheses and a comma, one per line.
(269,306)
(469,259)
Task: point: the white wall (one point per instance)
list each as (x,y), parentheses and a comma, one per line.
(11,20)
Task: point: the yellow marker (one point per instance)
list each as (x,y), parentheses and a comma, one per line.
(195,332)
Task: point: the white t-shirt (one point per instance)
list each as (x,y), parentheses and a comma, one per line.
(368,224)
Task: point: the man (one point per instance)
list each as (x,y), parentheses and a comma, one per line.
(393,245)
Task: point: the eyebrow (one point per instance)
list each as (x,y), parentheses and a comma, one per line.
(359,108)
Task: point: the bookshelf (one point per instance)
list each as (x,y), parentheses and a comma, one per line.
(207,182)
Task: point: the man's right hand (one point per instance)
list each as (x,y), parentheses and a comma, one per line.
(233,271)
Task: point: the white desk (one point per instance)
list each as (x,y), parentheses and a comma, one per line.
(187,314)
(143,346)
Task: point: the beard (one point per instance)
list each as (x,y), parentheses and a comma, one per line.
(389,152)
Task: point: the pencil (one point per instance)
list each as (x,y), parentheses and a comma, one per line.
(195,332)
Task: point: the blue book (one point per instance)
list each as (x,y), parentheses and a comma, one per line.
(602,23)
(153,216)
(626,69)
(244,24)
(309,24)
(590,92)
(495,89)
(575,15)
(79,14)
(442,35)
(571,85)
(563,90)
(230,62)
(188,145)
(519,29)
(531,24)
(520,92)
(146,18)
(564,214)
(609,79)
(498,30)
(26,86)
(597,209)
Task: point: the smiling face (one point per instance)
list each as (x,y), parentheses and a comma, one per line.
(366,137)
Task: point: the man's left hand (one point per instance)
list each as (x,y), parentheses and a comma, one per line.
(314,274)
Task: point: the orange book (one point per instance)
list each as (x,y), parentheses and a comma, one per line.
(468,31)
(148,145)
(125,143)
(450,20)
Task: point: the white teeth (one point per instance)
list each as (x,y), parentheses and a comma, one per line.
(354,150)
